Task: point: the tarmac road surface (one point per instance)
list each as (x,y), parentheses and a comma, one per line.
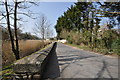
(76,63)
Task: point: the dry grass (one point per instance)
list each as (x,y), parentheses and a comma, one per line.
(26,48)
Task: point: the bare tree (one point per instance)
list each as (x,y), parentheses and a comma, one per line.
(10,13)
(43,27)
(49,33)
(10,32)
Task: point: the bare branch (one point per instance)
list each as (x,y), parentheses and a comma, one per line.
(23,6)
(1,3)
(43,27)
(26,14)
(2,18)
(33,3)
(5,24)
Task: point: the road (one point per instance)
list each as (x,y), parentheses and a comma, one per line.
(76,63)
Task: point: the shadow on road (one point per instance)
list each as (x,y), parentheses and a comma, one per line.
(50,67)
(72,59)
(103,69)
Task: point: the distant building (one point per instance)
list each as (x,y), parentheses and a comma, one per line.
(104,28)
(62,41)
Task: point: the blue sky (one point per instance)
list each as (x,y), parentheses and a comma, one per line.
(52,10)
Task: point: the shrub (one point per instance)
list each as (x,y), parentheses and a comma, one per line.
(75,37)
(116,46)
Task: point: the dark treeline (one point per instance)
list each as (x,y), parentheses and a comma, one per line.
(21,35)
(80,24)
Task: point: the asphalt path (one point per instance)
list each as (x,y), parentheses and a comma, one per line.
(76,63)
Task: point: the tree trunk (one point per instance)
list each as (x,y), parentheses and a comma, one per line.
(91,35)
(9,29)
(15,51)
(15,28)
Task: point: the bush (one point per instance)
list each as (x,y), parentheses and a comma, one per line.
(72,37)
(116,46)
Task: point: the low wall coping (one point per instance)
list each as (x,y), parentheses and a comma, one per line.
(31,63)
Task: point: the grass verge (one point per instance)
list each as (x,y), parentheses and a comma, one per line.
(100,51)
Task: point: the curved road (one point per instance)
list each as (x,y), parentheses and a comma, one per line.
(76,63)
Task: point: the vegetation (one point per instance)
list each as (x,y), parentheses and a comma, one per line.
(25,50)
(80,24)
(21,35)
(43,28)
(9,15)
(15,43)
(28,44)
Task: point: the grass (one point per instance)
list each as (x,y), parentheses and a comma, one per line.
(27,47)
(32,53)
(79,46)
(6,71)
(101,51)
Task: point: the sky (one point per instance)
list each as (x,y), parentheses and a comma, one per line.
(52,10)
